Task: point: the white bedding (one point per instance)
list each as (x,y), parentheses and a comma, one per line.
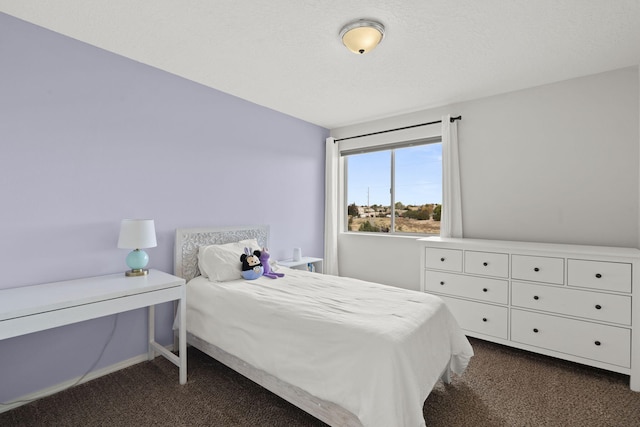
(375,350)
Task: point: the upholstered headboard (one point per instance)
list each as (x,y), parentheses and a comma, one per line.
(188,240)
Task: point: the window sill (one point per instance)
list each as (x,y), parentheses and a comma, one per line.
(414,236)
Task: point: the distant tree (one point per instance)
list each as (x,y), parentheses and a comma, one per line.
(352,210)
(437,212)
(428,207)
(399,205)
(367,226)
(420,214)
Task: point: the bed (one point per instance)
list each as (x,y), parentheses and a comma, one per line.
(348,352)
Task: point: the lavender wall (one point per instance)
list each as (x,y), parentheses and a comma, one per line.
(88,138)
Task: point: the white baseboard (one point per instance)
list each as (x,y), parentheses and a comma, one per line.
(28,398)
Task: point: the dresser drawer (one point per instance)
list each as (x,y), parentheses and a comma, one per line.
(486,263)
(444,259)
(478,317)
(610,276)
(608,344)
(537,269)
(480,288)
(573,302)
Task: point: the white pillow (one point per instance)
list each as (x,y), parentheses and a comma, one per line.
(221,263)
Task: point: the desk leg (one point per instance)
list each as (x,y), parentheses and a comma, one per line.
(183,337)
(152,332)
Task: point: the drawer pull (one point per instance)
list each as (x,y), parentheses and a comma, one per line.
(598,275)
(536,297)
(535,330)
(442,283)
(598,306)
(536,269)
(442,259)
(485,263)
(597,343)
(484,319)
(485,290)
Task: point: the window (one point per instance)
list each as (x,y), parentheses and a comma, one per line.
(395,190)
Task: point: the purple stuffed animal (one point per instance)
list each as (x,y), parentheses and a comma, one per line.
(264,259)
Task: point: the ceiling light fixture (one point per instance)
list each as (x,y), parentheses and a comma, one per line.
(362,35)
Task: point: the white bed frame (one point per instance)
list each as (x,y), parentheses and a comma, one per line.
(188,240)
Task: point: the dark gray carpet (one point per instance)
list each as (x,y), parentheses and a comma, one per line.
(501,387)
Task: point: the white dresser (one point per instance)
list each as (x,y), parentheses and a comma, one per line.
(568,301)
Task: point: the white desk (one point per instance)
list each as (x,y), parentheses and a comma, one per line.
(35,308)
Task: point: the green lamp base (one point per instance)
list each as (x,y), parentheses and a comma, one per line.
(137,260)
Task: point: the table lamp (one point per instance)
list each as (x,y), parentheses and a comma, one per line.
(137,234)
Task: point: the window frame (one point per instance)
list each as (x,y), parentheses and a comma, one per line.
(376,148)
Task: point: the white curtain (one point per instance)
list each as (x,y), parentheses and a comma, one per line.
(331,208)
(451,219)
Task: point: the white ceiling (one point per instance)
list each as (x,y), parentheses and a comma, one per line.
(286,54)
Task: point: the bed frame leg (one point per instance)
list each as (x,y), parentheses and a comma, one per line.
(446,376)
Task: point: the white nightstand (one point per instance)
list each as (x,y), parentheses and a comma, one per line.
(304,263)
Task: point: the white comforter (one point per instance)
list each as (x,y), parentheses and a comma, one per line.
(375,350)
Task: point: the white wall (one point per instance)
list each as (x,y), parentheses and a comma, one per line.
(380,258)
(557,163)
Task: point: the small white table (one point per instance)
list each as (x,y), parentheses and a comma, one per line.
(35,308)
(303,263)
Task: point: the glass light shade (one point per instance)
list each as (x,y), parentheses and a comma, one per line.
(137,234)
(362,36)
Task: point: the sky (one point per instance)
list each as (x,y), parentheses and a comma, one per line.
(418,176)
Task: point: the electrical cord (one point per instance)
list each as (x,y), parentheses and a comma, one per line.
(79,380)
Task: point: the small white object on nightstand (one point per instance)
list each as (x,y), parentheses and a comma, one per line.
(304,264)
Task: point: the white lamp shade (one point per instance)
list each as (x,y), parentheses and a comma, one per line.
(137,234)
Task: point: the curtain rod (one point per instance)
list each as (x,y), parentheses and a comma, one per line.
(452,119)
